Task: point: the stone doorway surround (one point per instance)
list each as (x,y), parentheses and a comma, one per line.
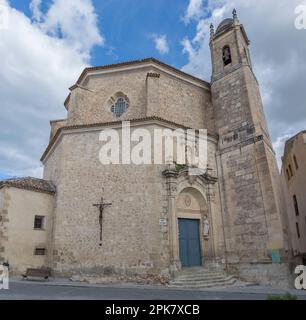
(189,198)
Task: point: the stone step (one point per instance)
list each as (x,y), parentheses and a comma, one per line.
(203,281)
(199,275)
(199,278)
(204,284)
(201,272)
(202,278)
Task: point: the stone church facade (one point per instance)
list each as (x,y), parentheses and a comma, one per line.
(158,216)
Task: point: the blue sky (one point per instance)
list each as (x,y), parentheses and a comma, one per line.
(128,26)
(48,43)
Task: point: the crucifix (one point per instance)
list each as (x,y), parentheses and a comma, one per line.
(102,205)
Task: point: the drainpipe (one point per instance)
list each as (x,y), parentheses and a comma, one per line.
(221,180)
(213,249)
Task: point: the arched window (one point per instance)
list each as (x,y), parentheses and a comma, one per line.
(119,107)
(226,55)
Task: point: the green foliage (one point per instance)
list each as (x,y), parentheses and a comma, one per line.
(286,296)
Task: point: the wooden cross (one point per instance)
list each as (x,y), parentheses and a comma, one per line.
(102,205)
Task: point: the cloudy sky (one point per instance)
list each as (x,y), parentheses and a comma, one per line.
(45,44)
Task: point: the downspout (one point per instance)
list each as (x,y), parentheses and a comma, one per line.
(221,180)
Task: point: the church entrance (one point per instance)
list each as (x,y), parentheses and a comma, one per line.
(189,242)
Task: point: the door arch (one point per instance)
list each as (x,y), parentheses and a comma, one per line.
(191,208)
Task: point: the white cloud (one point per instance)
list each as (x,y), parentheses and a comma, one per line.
(198,51)
(195,10)
(278,55)
(40,59)
(279,145)
(202,28)
(75,21)
(35,8)
(161,43)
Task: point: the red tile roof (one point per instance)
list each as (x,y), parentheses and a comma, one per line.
(29,183)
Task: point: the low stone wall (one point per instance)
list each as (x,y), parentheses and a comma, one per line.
(102,274)
(278,275)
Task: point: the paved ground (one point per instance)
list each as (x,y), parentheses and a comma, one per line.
(65,290)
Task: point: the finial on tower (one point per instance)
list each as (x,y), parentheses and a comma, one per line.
(235,16)
(212,30)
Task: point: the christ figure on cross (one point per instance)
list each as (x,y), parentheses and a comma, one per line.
(102,205)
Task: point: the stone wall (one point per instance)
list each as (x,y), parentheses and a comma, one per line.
(132,237)
(233,116)
(134,243)
(277,275)
(150,91)
(93,106)
(245,215)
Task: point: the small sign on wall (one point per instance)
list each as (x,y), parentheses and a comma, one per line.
(162,222)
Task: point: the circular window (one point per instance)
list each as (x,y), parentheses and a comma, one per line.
(119,107)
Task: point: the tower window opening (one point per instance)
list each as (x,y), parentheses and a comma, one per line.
(290,170)
(298,230)
(295,162)
(227,56)
(296,206)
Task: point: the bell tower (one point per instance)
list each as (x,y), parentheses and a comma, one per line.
(250,187)
(232,67)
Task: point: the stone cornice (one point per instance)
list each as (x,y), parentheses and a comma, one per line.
(153,119)
(172,173)
(144,62)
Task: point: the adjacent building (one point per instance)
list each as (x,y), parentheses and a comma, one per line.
(26,217)
(294,184)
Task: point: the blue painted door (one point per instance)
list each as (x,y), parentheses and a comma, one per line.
(189,241)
